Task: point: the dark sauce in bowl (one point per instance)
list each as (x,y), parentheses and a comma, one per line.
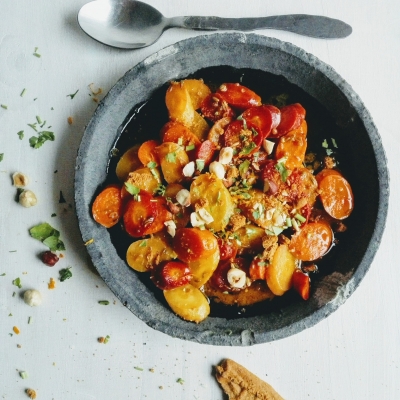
(146,120)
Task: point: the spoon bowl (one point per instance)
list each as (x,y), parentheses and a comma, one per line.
(131,24)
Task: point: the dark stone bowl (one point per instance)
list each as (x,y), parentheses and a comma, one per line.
(265,64)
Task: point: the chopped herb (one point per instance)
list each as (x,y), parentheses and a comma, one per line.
(65,274)
(23,374)
(132,189)
(325,144)
(30,319)
(90,241)
(160,190)
(280,167)
(23,92)
(53,215)
(20,135)
(10,315)
(243,167)
(114,152)
(180,380)
(256,214)
(300,218)
(44,136)
(190,147)
(138,368)
(277,230)
(4,106)
(1,156)
(17,282)
(12,251)
(152,164)
(288,222)
(61,199)
(329,152)
(3,274)
(248,149)
(73,95)
(240,118)
(171,157)
(48,236)
(334,143)
(104,302)
(37,54)
(255,133)
(106,339)
(38,119)
(200,165)
(143,244)
(33,126)
(13,295)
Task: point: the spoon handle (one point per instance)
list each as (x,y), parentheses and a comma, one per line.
(308,25)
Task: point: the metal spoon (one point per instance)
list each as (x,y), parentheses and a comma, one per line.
(131,24)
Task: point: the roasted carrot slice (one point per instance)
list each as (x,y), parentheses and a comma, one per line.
(312,241)
(180,134)
(336,195)
(293,146)
(147,154)
(107,206)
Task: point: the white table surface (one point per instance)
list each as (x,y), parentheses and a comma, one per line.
(353,354)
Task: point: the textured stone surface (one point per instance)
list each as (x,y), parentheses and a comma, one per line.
(300,68)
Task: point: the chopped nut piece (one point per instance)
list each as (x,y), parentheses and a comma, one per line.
(183,197)
(100,339)
(237,221)
(31,393)
(16,330)
(236,278)
(188,169)
(217,169)
(270,244)
(52,284)
(27,199)
(268,146)
(32,297)
(20,179)
(171,227)
(225,155)
(329,162)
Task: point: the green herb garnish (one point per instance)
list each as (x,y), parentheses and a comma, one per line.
(160,190)
(65,274)
(106,339)
(132,189)
(73,94)
(325,144)
(334,143)
(23,92)
(17,282)
(190,147)
(104,302)
(171,157)
(138,368)
(49,236)
(20,135)
(180,380)
(248,149)
(244,167)
(152,164)
(44,136)
(1,156)
(200,165)
(23,374)
(4,106)
(143,244)
(256,215)
(280,167)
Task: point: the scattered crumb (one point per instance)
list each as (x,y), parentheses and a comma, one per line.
(52,284)
(31,393)
(16,330)
(70,120)
(100,339)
